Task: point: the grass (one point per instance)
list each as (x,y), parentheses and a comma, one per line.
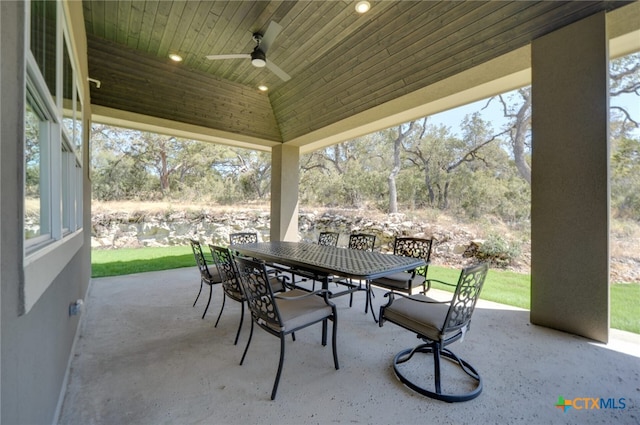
(503,287)
(116,262)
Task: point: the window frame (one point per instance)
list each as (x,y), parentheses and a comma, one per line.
(62,176)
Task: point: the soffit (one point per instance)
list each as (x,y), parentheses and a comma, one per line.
(341,64)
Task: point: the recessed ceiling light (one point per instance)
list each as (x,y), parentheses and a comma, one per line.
(175,57)
(262,87)
(363,6)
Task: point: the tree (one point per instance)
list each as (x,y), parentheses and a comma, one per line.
(519,130)
(397,137)
(624,78)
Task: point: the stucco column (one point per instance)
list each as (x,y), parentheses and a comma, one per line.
(570,180)
(285,161)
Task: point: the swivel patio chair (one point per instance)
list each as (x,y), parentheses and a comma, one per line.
(281,315)
(231,287)
(207,276)
(438,324)
(406,282)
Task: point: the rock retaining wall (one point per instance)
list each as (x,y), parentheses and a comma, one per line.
(119,230)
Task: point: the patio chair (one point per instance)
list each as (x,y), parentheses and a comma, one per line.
(243,237)
(282,314)
(207,276)
(231,286)
(324,239)
(362,242)
(252,237)
(405,282)
(438,324)
(328,238)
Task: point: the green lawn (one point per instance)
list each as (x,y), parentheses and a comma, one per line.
(115,262)
(501,286)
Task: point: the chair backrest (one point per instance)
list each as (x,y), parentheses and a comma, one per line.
(227,268)
(362,241)
(328,238)
(465,297)
(243,237)
(414,248)
(257,290)
(200,260)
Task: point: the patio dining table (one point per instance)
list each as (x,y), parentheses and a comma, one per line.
(321,262)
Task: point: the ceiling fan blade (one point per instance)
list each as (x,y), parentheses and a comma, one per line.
(276,70)
(231,56)
(270,34)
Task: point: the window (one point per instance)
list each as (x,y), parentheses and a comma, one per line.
(43,40)
(53,176)
(53,131)
(37,225)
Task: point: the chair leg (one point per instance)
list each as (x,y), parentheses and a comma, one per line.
(224,299)
(201,283)
(208,302)
(277,381)
(370,302)
(248,343)
(438,352)
(333,341)
(436,366)
(240,325)
(324,332)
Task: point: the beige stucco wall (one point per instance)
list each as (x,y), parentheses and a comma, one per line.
(570,180)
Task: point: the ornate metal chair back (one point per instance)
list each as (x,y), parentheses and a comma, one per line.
(362,241)
(243,237)
(328,238)
(200,260)
(414,248)
(465,297)
(257,290)
(226,268)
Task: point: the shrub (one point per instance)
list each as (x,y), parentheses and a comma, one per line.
(497,250)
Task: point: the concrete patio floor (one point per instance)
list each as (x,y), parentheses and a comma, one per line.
(145,356)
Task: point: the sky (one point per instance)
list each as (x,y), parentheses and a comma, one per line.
(453,118)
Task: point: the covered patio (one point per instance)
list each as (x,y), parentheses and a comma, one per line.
(350,75)
(145,356)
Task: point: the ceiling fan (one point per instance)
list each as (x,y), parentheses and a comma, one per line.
(259,55)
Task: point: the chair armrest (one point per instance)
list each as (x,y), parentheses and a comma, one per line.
(441,282)
(391,296)
(324,292)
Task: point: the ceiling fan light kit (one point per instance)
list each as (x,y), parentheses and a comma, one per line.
(258,58)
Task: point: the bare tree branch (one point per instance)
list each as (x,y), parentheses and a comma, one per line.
(627,116)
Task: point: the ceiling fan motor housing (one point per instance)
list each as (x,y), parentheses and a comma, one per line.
(258,58)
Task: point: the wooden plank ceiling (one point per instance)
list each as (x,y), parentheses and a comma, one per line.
(340,63)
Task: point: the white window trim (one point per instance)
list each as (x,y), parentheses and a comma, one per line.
(46,256)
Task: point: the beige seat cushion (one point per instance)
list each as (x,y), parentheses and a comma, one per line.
(400,280)
(215,276)
(299,312)
(421,318)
